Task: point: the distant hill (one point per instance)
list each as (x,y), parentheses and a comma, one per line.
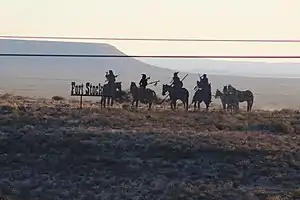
(237,68)
(48,76)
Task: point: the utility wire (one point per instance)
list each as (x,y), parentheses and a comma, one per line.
(155,39)
(141,56)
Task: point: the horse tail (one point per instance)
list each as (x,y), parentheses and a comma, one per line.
(251,99)
(187,100)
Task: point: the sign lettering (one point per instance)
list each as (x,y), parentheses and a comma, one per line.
(87,89)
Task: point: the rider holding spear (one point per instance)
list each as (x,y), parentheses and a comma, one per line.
(176,83)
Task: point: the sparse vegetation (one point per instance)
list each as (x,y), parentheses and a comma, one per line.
(57,151)
(57,98)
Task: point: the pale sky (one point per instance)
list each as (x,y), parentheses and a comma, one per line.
(215,19)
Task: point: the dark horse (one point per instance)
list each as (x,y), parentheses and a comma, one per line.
(202,95)
(109,95)
(181,94)
(244,95)
(229,100)
(220,95)
(144,96)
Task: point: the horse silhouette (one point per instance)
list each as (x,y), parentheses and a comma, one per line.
(243,96)
(176,94)
(109,94)
(229,101)
(146,96)
(202,95)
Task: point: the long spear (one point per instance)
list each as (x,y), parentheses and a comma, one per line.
(153,82)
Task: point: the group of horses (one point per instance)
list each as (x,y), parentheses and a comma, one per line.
(230,98)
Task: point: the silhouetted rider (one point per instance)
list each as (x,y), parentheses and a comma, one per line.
(176,82)
(111,79)
(144,81)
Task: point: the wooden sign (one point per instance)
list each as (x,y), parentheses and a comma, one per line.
(87,89)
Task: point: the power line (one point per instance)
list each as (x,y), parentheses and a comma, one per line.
(155,39)
(139,56)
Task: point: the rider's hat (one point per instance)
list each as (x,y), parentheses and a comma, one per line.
(204,75)
(143,74)
(110,71)
(175,73)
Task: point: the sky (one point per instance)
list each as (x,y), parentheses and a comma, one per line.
(213,19)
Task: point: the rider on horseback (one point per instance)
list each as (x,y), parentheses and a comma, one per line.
(204,85)
(204,80)
(143,83)
(176,82)
(111,79)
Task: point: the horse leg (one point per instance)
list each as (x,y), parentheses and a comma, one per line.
(248,106)
(104,102)
(101,102)
(251,104)
(150,104)
(111,102)
(175,104)
(187,107)
(236,107)
(207,106)
(108,101)
(199,105)
(172,105)
(137,103)
(187,104)
(224,105)
(195,105)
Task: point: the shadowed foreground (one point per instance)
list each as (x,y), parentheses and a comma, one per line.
(50,152)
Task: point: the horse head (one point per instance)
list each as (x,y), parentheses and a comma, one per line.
(230,87)
(225,88)
(119,86)
(165,89)
(132,86)
(218,93)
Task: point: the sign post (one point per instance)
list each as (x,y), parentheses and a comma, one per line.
(87,89)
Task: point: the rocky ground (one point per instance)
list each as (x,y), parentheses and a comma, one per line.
(51,150)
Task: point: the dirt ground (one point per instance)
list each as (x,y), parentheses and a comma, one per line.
(51,150)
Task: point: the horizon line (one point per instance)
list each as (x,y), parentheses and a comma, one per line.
(144,56)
